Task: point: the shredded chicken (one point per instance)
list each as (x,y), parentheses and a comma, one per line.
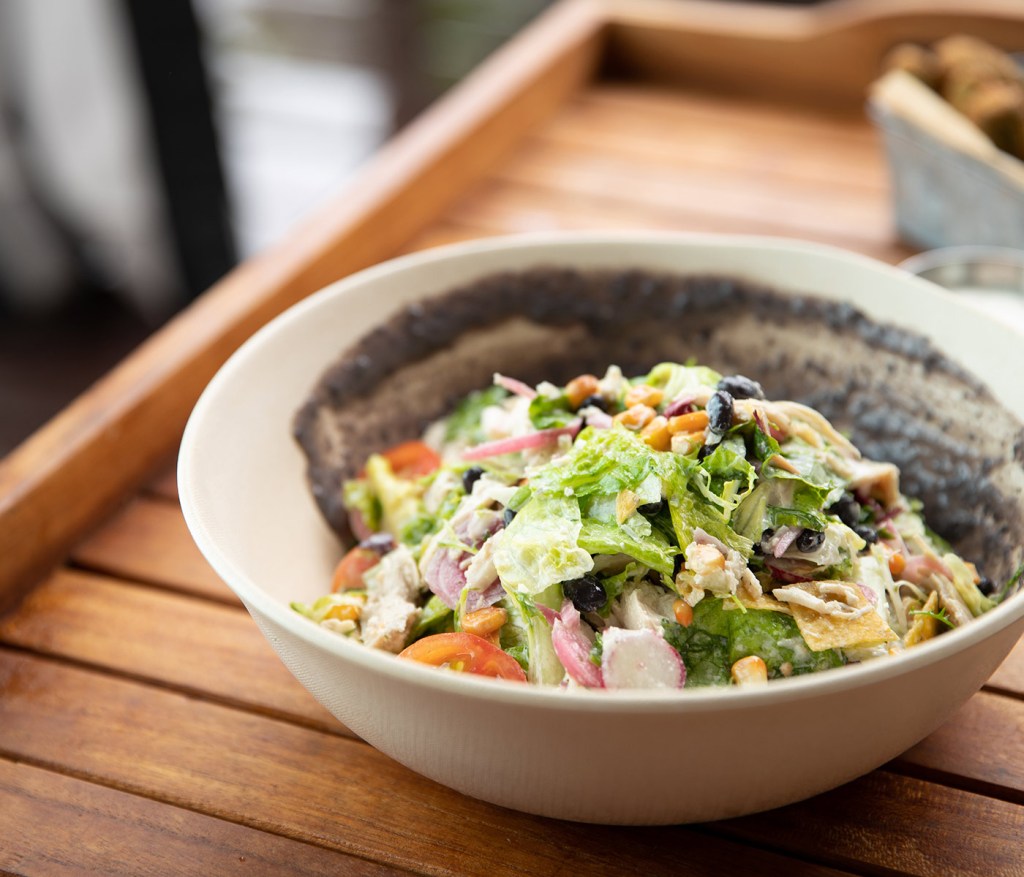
(392,586)
(845,607)
(818,422)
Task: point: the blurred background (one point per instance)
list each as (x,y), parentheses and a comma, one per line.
(146,147)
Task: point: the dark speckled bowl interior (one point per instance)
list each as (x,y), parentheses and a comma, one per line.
(898,396)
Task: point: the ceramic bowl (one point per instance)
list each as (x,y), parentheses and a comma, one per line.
(620,757)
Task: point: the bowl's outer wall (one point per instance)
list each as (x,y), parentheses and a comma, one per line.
(243,490)
(662,769)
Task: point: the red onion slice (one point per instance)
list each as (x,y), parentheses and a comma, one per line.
(782,539)
(517,388)
(517,443)
(681,405)
(573,648)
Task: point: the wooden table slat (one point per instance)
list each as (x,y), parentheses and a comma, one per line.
(56,825)
(148,541)
(316,787)
(196,646)
(145,725)
(898,823)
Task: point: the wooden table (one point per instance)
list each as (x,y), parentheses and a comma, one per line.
(146,727)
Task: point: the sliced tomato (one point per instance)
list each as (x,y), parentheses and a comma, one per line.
(412,459)
(348,574)
(466,653)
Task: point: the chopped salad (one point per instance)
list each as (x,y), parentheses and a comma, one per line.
(672,530)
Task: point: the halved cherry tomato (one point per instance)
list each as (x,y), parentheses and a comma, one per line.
(348,574)
(412,459)
(467,653)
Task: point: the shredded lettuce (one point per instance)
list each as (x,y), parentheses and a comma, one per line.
(634,537)
(549,412)
(674,379)
(963,581)
(725,476)
(601,461)
(540,547)
(463,424)
(527,637)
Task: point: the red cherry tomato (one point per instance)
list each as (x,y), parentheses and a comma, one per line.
(466,653)
(348,574)
(412,459)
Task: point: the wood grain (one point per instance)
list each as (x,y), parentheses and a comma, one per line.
(1009,677)
(148,541)
(309,786)
(897,823)
(57,825)
(164,485)
(195,646)
(821,55)
(113,438)
(980,748)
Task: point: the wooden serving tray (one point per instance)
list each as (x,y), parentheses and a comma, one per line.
(145,725)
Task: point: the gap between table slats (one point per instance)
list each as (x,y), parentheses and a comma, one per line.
(320,788)
(106,831)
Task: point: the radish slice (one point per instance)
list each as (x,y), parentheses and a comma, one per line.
(573,648)
(521,442)
(784,575)
(640,659)
(487,597)
(515,387)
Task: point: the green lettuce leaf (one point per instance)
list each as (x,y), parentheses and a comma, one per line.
(540,547)
(550,412)
(601,461)
(527,637)
(725,476)
(673,379)
(718,637)
(435,617)
(634,537)
(464,422)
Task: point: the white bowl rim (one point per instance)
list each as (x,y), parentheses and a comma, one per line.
(553,698)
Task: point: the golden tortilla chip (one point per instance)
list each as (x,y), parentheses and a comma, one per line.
(761,602)
(822,632)
(924,626)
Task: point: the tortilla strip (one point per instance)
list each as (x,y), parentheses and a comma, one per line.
(924,626)
(822,632)
(762,601)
